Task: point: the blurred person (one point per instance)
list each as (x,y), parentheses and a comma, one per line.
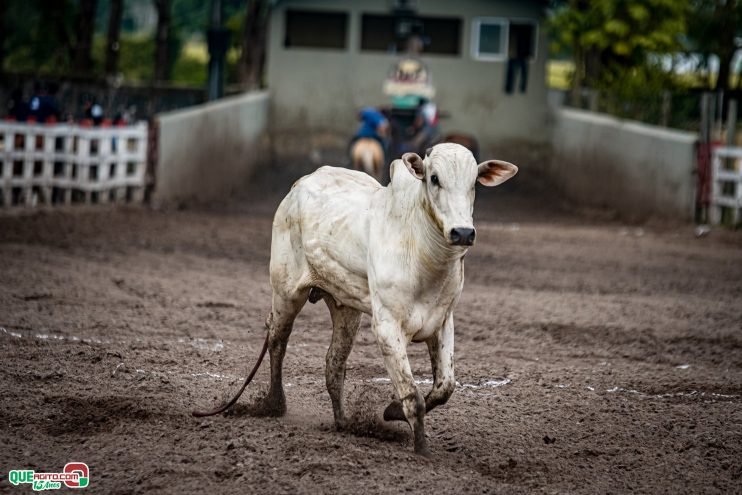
(368,148)
(374,125)
(93,111)
(43,106)
(425,126)
(18,108)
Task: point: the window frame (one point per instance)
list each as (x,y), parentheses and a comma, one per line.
(505,22)
(476,33)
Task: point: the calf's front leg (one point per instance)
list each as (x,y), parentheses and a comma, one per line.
(440,348)
(393,347)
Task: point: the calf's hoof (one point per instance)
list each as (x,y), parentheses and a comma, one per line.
(421,443)
(341,424)
(423,452)
(394,412)
(272,406)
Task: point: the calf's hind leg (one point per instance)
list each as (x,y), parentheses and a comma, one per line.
(280,323)
(345,324)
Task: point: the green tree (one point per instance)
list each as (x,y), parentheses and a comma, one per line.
(84,29)
(611,38)
(253,44)
(39,35)
(716,26)
(114,35)
(162,40)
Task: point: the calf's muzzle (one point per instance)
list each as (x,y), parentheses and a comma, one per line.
(462,236)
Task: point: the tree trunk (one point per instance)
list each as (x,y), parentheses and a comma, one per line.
(725,61)
(252,57)
(84,27)
(726,35)
(114,31)
(577,76)
(162,40)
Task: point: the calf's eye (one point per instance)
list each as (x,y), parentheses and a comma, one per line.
(434,180)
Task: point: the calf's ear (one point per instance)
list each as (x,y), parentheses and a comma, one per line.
(414,164)
(495,172)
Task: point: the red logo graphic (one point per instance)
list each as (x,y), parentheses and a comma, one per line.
(82,470)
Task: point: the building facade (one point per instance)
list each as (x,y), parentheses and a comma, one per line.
(328,58)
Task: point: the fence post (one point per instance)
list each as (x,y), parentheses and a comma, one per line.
(731,122)
(705,130)
(731,163)
(593,100)
(718,120)
(666,106)
(703,184)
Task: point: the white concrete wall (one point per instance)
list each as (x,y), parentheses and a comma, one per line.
(639,170)
(317,91)
(208,151)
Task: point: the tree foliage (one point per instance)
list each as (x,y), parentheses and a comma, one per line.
(610,38)
(714,31)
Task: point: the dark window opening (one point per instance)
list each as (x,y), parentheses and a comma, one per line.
(444,35)
(522,40)
(378,33)
(386,33)
(313,29)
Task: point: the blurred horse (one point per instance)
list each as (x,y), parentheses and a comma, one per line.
(466,140)
(367,155)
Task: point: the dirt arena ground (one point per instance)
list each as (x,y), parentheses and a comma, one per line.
(592,357)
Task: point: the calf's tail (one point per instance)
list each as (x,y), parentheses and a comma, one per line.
(221,409)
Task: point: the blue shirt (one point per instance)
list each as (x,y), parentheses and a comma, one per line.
(371,119)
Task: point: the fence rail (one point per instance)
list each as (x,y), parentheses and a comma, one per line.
(67,163)
(726,185)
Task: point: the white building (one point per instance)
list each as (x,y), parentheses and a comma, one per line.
(328,58)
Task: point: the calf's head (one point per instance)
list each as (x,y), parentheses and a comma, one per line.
(449,173)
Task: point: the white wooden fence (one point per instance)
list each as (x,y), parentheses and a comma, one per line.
(726,184)
(66,163)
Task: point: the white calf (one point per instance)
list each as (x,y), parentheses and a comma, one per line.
(395,253)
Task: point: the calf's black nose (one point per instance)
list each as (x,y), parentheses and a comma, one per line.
(462,237)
